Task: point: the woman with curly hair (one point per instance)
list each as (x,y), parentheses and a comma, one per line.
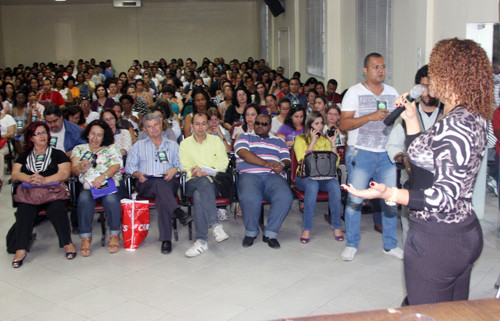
(445,237)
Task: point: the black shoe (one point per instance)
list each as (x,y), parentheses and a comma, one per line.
(183,217)
(18,263)
(273,243)
(248,241)
(166,247)
(378,228)
(75,230)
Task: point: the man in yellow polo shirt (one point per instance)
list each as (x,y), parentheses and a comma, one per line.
(198,153)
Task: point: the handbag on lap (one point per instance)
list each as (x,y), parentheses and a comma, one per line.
(319,165)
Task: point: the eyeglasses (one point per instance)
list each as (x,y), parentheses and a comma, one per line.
(40,133)
(263,124)
(84,105)
(241,94)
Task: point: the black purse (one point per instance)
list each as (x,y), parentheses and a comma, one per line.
(319,165)
(224,184)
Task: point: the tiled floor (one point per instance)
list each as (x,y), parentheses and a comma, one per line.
(228,282)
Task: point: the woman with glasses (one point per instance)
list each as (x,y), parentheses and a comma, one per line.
(40,165)
(96,164)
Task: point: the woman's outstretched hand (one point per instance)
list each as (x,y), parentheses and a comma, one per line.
(376,190)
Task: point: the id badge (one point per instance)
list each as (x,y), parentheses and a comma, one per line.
(40,157)
(20,124)
(53,141)
(87,155)
(162,156)
(381,104)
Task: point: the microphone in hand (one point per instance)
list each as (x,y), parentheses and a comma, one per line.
(415,92)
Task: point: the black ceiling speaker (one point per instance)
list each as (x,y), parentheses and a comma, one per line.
(275,7)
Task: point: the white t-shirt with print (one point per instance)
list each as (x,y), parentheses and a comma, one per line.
(373,135)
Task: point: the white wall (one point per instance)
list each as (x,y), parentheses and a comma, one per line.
(169,29)
(420,24)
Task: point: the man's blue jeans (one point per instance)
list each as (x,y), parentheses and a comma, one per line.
(361,166)
(112,208)
(252,190)
(311,188)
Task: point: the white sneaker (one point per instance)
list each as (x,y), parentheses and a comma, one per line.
(396,252)
(197,248)
(219,233)
(222,214)
(348,253)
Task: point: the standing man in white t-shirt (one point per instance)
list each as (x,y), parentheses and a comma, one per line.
(364,107)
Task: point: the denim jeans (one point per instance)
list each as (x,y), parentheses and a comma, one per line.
(252,190)
(311,188)
(361,167)
(205,210)
(112,208)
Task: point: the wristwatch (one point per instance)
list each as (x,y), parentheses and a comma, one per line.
(105,176)
(392,201)
(283,164)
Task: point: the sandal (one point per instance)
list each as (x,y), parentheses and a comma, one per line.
(305,240)
(339,238)
(238,211)
(70,251)
(114,243)
(85,248)
(18,263)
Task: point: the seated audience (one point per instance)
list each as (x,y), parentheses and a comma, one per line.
(215,128)
(94,163)
(293,125)
(261,160)
(122,137)
(235,112)
(167,132)
(64,135)
(314,140)
(201,103)
(102,101)
(154,163)
(74,114)
(134,117)
(8,131)
(47,97)
(251,112)
(41,165)
(197,151)
(88,114)
(279,120)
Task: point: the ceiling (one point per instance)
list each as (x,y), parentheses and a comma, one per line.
(69,2)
